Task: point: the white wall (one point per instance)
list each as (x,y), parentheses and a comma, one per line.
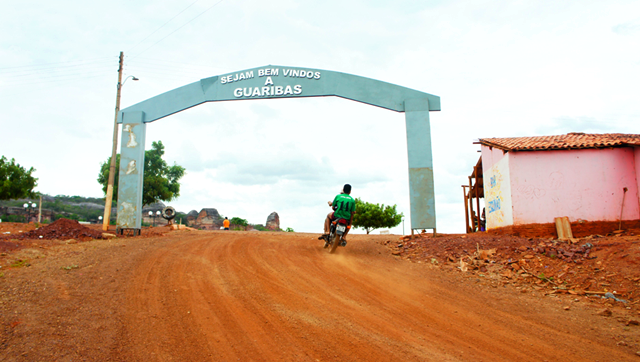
(497,192)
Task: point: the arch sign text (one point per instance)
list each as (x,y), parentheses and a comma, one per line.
(282,82)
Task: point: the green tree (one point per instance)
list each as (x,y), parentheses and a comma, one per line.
(374,216)
(238,221)
(160,180)
(289,230)
(15,181)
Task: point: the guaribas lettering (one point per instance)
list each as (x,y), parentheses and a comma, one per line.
(277,90)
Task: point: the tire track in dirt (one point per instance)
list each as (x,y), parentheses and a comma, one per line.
(275,296)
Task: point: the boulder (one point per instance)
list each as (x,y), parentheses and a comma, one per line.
(208,219)
(191,217)
(273,221)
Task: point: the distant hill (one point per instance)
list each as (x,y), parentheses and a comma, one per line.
(55,207)
(70,207)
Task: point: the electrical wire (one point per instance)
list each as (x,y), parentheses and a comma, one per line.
(30,71)
(169,63)
(162,26)
(180,63)
(54,73)
(56,81)
(187,23)
(45,64)
(161,75)
(168,69)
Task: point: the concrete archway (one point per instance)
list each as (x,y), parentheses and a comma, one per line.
(282,82)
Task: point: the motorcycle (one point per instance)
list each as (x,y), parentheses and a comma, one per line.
(336,233)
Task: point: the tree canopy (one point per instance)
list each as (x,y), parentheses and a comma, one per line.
(238,221)
(16,182)
(161,182)
(375,216)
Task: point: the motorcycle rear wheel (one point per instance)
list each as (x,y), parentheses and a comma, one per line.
(335,243)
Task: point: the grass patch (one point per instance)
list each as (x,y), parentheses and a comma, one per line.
(544,278)
(70,267)
(20,263)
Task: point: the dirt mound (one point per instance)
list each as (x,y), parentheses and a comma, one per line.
(593,265)
(59,229)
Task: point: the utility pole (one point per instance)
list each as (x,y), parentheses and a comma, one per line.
(112,167)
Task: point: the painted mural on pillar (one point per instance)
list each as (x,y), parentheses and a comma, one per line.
(131,171)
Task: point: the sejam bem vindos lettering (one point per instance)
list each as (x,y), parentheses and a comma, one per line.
(269,88)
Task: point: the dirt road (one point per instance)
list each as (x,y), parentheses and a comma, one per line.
(248,296)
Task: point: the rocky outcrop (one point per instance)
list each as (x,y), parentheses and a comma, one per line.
(191,217)
(273,221)
(207,219)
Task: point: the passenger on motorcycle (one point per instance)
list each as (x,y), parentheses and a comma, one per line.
(344,207)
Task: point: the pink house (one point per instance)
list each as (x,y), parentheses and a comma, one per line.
(532,180)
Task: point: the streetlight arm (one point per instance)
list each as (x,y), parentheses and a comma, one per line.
(125,80)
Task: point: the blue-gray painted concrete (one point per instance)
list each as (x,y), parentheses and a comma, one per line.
(131,171)
(421,188)
(361,89)
(286,82)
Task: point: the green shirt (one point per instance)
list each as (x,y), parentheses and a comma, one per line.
(344,205)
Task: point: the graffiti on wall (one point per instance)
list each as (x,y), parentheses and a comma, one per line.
(497,193)
(494,197)
(494,205)
(531,192)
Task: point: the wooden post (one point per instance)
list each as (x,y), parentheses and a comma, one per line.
(473,224)
(40,210)
(466,208)
(477,196)
(112,166)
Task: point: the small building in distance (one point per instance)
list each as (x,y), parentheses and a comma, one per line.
(532,180)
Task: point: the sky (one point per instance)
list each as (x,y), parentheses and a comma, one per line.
(501,69)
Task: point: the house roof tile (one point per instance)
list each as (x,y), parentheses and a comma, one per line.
(574,140)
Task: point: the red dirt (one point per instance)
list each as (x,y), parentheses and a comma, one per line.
(229,296)
(61,229)
(579,229)
(593,265)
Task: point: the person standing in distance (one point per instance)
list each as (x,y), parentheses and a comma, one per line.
(225,223)
(344,207)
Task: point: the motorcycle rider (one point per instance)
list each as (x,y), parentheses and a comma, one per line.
(344,207)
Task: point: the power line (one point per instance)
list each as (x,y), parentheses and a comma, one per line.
(164,75)
(45,64)
(54,69)
(162,26)
(173,69)
(54,73)
(56,81)
(142,60)
(154,44)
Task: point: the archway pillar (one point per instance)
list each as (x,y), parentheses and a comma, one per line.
(131,172)
(421,190)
